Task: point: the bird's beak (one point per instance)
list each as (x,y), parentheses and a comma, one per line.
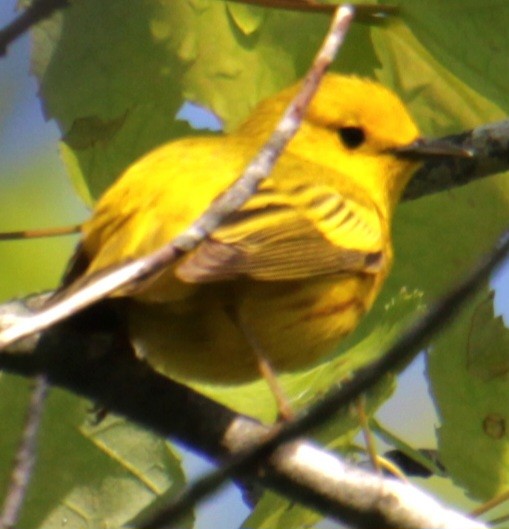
(423,148)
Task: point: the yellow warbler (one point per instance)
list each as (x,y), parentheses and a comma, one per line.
(289,274)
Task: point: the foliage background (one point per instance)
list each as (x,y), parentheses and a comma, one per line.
(35,191)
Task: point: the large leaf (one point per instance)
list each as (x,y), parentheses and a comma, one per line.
(468,38)
(111,87)
(86,475)
(114,74)
(469,369)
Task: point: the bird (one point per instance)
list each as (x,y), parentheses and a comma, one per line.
(285,278)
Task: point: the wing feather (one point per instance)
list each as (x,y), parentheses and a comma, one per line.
(310,231)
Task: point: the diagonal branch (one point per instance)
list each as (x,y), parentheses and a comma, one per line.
(491,146)
(367,11)
(25,457)
(490,142)
(301,471)
(38,10)
(129,387)
(405,348)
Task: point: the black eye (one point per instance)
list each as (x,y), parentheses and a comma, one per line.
(352,137)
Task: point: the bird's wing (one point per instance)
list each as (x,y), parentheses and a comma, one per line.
(308,232)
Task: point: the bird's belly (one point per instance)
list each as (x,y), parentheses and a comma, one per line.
(293,324)
(297,324)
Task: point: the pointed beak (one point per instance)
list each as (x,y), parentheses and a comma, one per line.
(422,149)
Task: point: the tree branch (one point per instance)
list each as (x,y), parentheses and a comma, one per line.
(25,457)
(491,146)
(98,367)
(38,10)
(95,367)
(365,11)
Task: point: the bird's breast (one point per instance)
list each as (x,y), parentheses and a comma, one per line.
(298,323)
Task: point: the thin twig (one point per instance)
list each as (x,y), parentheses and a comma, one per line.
(38,10)
(503,497)
(39,233)
(25,457)
(405,348)
(291,5)
(98,286)
(311,6)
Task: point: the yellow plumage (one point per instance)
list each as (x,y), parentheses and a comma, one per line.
(292,271)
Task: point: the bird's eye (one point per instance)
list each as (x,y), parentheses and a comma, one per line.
(352,137)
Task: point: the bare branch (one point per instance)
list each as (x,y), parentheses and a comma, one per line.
(95,287)
(127,386)
(40,233)
(491,146)
(38,10)
(317,478)
(25,458)
(405,348)
(94,367)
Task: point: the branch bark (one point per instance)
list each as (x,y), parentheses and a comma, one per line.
(99,366)
(37,11)
(25,457)
(364,11)
(491,146)
(40,10)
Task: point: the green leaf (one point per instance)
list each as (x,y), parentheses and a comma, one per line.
(98,64)
(114,74)
(440,102)
(469,368)
(85,475)
(469,38)
(247,18)
(488,342)
(275,512)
